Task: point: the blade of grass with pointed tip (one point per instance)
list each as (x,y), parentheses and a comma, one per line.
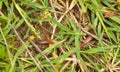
(60,25)
(116,19)
(77,44)
(61,58)
(108,4)
(102,23)
(24,15)
(49,49)
(99,49)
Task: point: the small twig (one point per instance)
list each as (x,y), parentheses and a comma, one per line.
(95,37)
(62,2)
(49,31)
(54,27)
(27,49)
(66,64)
(57,12)
(62,50)
(42,53)
(80,65)
(89,65)
(60,19)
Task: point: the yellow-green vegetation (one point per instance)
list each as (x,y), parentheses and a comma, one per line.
(59,35)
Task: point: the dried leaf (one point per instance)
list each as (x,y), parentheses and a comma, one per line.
(47,41)
(50,42)
(111,13)
(86,41)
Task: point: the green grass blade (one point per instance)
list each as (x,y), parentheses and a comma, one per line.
(99,49)
(18,53)
(24,15)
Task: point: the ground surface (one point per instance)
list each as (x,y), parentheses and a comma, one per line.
(59,36)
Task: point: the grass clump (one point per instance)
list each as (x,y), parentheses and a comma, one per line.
(59,36)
